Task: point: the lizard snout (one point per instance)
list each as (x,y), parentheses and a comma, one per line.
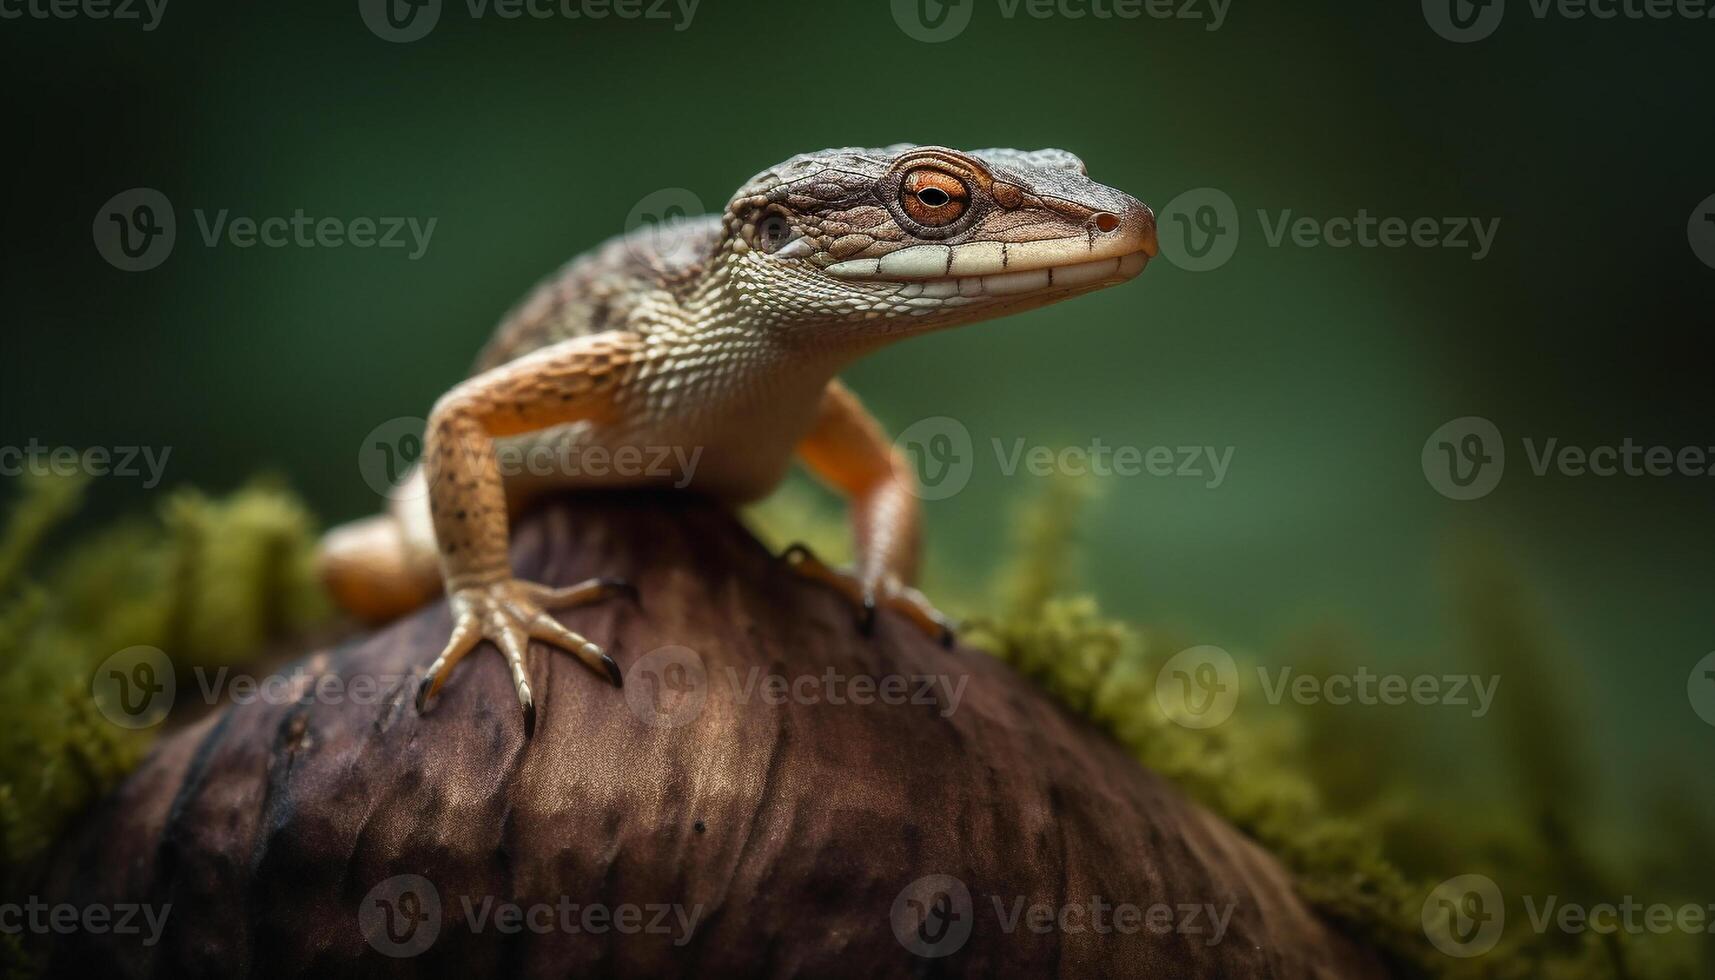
(1133,224)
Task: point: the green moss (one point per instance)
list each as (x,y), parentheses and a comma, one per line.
(1343,801)
(209,581)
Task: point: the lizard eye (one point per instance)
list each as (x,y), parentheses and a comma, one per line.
(933,198)
(773,233)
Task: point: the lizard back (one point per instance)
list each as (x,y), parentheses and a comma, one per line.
(601,289)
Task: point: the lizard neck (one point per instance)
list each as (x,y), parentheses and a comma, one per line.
(732,301)
(728,312)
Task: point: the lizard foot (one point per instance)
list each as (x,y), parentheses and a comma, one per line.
(510,613)
(888,593)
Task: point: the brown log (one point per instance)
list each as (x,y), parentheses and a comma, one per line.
(794,830)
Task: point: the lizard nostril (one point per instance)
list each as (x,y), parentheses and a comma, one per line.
(1106,221)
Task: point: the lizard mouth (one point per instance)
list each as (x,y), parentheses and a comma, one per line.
(1002,268)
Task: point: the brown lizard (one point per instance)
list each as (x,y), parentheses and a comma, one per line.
(724,335)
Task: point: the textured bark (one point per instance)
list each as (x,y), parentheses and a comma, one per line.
(792,827)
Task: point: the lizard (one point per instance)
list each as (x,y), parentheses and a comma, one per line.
(725,334)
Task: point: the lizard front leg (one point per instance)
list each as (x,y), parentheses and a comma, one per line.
(847,449)
(569,382)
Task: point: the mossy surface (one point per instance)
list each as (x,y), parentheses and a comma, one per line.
(1339,801)
(1349,802)
(206,581)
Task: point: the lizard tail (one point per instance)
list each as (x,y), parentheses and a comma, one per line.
(380,568)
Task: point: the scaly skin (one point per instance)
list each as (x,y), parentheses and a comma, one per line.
(722,337)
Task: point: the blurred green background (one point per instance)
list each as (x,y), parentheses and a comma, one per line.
(529,140)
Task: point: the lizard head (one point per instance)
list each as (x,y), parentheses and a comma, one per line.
(872,244)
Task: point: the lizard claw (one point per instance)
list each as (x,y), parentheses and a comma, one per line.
(511,613)
(869,599)
(866,618)
(621,587)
